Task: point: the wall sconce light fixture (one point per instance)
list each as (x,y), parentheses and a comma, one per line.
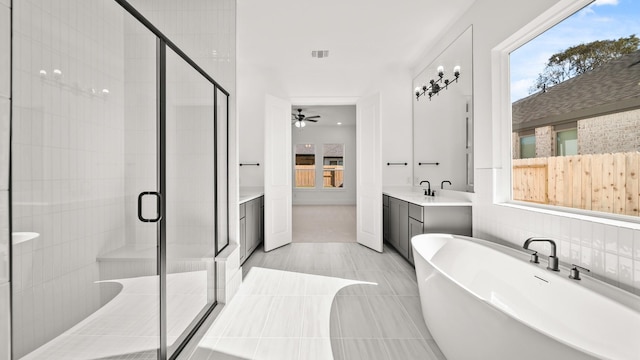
(437,85)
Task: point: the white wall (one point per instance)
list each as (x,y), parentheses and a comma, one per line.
(320,135)
(253,83)
(5,110)
(394,86)
(609,248)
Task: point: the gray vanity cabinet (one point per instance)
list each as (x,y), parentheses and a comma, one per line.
(243,232)
(385,217)
(251,226)
(398,225)
(415,228)
(254,224)
(403,220)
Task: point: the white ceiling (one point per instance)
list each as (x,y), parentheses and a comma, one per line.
(364,37)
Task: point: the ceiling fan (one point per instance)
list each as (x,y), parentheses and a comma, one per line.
(299,119)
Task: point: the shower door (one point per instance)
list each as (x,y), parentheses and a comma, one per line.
(189,187)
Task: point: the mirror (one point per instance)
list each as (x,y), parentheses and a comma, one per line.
(443,118)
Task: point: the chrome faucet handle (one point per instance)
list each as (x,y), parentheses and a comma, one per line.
(534,256)
(574,273)
(553,263)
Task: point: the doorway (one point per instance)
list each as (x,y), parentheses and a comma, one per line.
(323,138)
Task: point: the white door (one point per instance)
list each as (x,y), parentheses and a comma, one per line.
(277,173)
(369,172)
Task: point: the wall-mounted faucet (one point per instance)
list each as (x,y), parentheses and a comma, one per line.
(553,260)
(442,184)
(427,191)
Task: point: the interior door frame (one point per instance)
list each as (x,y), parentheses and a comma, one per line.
(377,245)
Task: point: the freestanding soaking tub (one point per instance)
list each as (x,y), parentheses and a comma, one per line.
(481,300)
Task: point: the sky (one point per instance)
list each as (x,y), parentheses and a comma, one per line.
(601,20)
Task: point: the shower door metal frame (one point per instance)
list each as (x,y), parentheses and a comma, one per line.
(162,43)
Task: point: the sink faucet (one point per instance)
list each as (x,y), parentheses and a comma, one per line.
(442,184)
(427,191)
(553,260)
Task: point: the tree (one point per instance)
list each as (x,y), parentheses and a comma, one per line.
(582,58)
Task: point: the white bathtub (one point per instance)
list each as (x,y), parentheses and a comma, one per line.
(481,300)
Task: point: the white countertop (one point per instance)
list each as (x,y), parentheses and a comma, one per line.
(249,193)
(418,197)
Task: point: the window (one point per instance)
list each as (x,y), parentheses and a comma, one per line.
(333,165)
(567,142)
(585,138)
(527,146)
(305,166)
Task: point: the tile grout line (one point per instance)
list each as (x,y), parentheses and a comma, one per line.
(404,309)
(382,338)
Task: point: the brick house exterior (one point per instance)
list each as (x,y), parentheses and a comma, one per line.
(603,105)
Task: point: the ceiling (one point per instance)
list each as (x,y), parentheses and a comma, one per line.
(331,115)
(364,38)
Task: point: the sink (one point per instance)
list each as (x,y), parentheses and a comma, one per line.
(20,237)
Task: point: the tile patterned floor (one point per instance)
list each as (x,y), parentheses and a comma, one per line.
(322,301)
(317,223)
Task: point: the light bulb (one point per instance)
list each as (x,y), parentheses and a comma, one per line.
(300,124)
(440,70)
(456,70)
(43,73)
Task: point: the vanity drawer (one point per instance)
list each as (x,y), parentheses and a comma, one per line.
(415,212)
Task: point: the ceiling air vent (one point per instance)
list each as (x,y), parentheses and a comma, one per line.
(320,53)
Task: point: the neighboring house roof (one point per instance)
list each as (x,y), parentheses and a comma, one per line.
(612,87)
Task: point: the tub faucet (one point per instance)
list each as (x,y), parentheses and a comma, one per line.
(553,260)
(427,191)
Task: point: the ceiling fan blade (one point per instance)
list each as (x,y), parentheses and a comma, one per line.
(312,120)
(313,117)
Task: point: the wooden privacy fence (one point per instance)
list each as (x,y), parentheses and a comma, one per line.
(601,182)
(305,176)
(333,176)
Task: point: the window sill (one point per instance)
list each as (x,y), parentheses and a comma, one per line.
(625,221)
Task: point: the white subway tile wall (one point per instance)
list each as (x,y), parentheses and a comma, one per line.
(5,110)
(68,160)
(203,29)
(610,251)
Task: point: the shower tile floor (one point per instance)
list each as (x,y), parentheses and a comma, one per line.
(321,301)
(127,326)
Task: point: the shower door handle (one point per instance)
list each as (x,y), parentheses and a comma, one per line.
(158,209)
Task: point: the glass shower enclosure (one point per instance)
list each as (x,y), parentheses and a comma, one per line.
(118,192)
